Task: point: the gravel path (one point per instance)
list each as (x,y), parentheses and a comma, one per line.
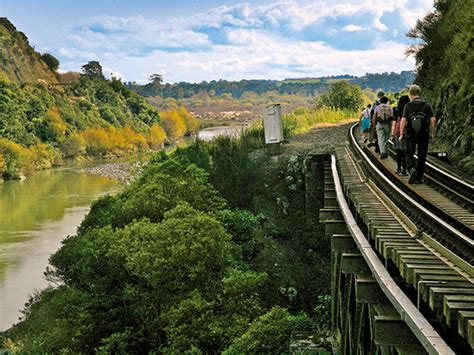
(322,139)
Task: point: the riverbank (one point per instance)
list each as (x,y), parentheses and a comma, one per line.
(125,172)
(321,139)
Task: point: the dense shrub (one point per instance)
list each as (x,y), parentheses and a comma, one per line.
(445,72)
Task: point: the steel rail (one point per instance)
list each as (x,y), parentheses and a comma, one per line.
(459,235)
(446,173)
(421,328)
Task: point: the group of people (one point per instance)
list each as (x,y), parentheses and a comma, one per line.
(410,123)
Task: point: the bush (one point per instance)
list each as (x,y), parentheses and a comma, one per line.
(16,159)
(74,146)
(270,333)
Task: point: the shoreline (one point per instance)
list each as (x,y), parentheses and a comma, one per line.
(124,172)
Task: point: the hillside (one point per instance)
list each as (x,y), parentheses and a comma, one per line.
(20,63)
(445,60)
(41,125)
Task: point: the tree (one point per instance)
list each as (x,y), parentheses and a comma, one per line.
(50,61)
(156,79)
(173,123)
(154,88)
(270,333)
(92,69)
(52,127)
(190,121)
(74,146)
(445,72)
(343,96)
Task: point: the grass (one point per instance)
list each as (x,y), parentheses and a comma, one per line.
(297,122)
(303,119)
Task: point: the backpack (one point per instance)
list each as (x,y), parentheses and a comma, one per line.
(366,113)
(419,119)
(384,113)
(372,110)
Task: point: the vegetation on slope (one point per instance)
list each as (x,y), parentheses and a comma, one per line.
(445,70)
(19,62)
(216,261)
(42,123)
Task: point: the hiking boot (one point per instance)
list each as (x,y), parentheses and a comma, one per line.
(383,156)
(419,182)
(398,172)
(404,173)
(412,177)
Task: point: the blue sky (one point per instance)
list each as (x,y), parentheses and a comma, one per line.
(214,39)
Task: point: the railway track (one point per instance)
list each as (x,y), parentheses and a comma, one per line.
(435,207)
(420,260)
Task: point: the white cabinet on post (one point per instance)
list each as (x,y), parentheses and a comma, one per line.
(273,127)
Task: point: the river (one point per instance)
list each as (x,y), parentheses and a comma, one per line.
(210,133)
(35,215)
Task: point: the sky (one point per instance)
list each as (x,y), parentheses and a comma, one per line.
(198,40)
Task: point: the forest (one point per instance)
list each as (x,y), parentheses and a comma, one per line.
(305,87)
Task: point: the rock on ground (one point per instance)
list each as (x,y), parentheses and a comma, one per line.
(124,172)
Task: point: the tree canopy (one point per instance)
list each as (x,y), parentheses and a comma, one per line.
(92,69)
(51,61)
(445,72)
(342,96)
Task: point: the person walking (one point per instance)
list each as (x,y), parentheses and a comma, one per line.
(383,116)
(364,123)
(372,132)
(417,125)
(400,145)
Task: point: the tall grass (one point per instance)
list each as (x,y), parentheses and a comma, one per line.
(296,122)
(303,119)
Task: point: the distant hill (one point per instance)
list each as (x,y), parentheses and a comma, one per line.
(390,82)
(20,63)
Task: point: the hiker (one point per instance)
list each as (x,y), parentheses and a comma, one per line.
(372,133)
(364,122)
(383,114)
(417,119)
(400,145)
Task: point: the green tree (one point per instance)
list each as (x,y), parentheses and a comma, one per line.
(445,72)
(270,333)
(50,61)
(92,69)
(156,79)
(343,96)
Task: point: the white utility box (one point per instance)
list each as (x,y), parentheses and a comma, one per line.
(273,124)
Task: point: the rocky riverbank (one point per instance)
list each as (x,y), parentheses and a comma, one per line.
(125,172)
(320,140)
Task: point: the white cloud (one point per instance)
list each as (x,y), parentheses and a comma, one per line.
(267,41)
(277,59)
(352,28)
